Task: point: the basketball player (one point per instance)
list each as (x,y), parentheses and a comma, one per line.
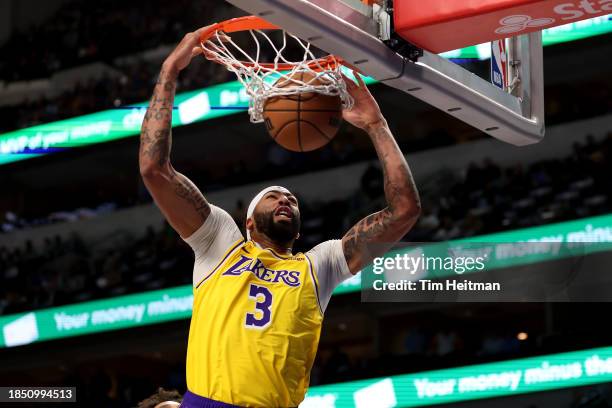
(258,307)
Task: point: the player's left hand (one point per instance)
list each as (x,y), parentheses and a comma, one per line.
(365,112)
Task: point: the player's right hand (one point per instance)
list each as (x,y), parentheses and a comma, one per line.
(188,48)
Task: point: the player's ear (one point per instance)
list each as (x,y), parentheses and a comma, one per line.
(298,236)
(250,224)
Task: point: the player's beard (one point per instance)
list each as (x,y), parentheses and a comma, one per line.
(282,233)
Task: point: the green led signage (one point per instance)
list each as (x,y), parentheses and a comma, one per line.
(97,316)
(203,104)
(481,381)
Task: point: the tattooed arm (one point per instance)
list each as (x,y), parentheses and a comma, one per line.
(375,234)
(178,198)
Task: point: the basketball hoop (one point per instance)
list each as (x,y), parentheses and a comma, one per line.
(260,79)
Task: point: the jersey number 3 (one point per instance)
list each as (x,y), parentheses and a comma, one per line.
(263,302)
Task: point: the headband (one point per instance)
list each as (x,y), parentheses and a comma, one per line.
(258,198)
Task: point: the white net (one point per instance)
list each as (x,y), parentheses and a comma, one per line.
(281,76)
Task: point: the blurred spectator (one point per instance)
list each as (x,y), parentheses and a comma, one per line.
(82,32)
(239,214)
(160,396)
(492,343)
(415,341)
(338,366)
(444,343)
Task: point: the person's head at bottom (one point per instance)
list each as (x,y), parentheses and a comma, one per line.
(162,399)
(168,404)
(273,218)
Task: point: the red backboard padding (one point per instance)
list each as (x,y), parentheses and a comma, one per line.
(442,25)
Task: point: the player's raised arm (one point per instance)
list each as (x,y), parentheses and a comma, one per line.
(376,233)
(178,198)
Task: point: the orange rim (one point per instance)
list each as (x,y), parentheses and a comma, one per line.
(257,23)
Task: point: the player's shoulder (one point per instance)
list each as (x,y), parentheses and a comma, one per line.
(325,246)
(217,233)
(217,211)
(325,249)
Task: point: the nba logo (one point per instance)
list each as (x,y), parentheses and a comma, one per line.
(499,60)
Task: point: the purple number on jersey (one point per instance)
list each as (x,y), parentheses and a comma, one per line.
(263,306)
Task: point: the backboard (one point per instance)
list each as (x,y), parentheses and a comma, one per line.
(361,32)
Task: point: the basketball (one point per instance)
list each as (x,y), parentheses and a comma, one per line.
(305,121)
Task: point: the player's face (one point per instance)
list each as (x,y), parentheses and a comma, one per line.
(278,216)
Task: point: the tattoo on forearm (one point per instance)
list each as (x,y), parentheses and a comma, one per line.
(160,149)
(164,78)
(157,147)
(176,194)
(398,181)
(167,83)
(400,192)
(188,192)
(156,134)
(367,230)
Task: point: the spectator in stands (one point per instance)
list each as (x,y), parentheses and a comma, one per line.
(415,341)
(492,344)
(444,343)
(338,366)
(239,213)
(162,399)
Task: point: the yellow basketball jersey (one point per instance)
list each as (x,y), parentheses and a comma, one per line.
(255,329)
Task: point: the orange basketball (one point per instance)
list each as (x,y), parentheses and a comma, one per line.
(305,121)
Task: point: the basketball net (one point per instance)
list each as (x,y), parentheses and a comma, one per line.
(261,79)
